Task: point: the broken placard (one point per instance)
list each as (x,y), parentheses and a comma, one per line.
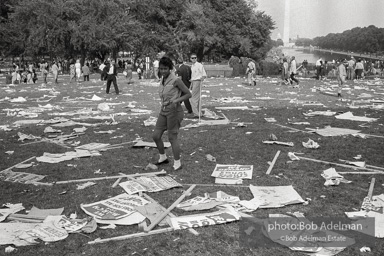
(155,184)
(114,208)
(205,219)
(225,171)
(45,231)
(275,196)
(10,233)
(70,225)
(333,178)
(11,208)
(20,177)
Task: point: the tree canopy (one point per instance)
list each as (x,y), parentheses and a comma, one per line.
(368,39)
(96,27)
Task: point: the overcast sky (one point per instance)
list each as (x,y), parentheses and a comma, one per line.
(311,18)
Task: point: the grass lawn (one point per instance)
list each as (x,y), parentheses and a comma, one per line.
(228,143)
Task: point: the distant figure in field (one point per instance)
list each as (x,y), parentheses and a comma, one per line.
(78,70)
(359,68)
(86,71)
(341,75)
(284,71)
(293,71)
(184,72)
(55,72)
(128,69)
(251,72)
(72,71)
(318,68)
(351,68)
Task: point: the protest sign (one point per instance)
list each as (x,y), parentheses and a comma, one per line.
(233,171)
(114,208)
(205,219)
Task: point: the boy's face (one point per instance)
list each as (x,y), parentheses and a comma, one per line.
(164,70)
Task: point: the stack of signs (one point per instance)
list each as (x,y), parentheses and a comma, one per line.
(149,184)
(118,210)
(205,219)
(21,177)
(232,174)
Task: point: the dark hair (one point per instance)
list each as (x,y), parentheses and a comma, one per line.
(166,61)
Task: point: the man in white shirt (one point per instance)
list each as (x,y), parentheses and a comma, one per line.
(197,77)
(293,71)
(111,76)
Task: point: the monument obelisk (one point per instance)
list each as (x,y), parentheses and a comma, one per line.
(286,22)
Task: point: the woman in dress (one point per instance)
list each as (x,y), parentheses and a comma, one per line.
(128,68)
(171,113)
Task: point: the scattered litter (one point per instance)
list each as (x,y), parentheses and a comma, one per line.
(110,226)
(9,249)
(365,249)
(85,185)
(289,144)
(9,152)
(210,158)
(350,116)
(80,130)
(320,113)
(272,137)
(96,98)
(311,144)
(270,119)
(103,107)
(333,131)
(151,121)
(358,157)
(151,167)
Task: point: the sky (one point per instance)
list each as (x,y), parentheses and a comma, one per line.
(312,18)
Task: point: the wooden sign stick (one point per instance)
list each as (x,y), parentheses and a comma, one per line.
(111,177)
(164,214)
(273,162)
(141,234)
(10,168)
(370,191)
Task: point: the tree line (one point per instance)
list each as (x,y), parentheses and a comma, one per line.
(364,40)
(99,28)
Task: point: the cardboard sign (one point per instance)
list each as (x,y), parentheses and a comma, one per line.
(114,208)
(233,171)
(205,219)
(20,177)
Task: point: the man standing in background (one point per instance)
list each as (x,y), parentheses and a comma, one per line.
(156,68)
(197,77)
(318,68)
(184,72)
(251,72)
(351,68)
(111,76)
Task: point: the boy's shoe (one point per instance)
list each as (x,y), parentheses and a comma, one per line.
(178,168)
(166,161)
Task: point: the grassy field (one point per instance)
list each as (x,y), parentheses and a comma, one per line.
(228,143)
